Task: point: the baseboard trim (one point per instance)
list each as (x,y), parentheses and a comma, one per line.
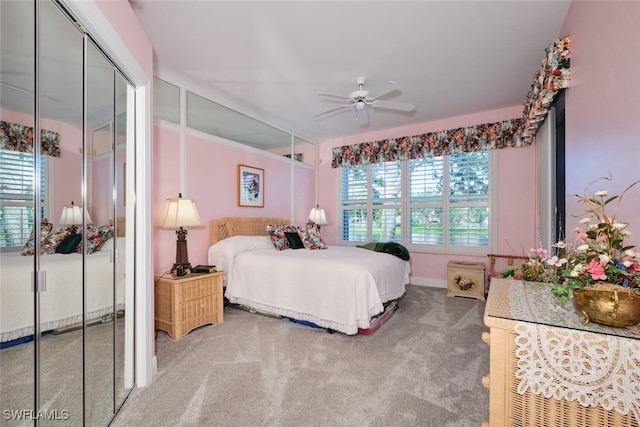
(424,281)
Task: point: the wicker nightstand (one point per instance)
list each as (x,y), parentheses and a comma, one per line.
(185,303)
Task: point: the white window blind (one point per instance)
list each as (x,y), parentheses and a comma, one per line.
(354,198)
(17,210)
(469,199)
(426,201)
(387,201)
(444,202)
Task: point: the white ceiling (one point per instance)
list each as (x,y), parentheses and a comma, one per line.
(270,59)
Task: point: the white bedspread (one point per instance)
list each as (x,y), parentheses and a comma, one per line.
(339,288)
(61,303)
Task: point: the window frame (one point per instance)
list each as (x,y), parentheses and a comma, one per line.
(405,206)
(46,205)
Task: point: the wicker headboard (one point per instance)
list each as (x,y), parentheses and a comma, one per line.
(233,226)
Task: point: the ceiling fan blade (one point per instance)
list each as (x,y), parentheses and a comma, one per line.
(391,105)
(362,116)
(332,109)
(332,95)
(385,90)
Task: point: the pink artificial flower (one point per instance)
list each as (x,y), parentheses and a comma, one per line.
(601,238)
(596,269)
(582,236)
(557,262)
(577,230)
(635,266)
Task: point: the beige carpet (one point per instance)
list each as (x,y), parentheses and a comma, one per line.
(422,368)
(61,383)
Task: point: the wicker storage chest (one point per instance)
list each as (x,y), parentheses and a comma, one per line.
(465,279)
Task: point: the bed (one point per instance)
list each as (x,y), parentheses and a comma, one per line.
(61,303)
(338,288)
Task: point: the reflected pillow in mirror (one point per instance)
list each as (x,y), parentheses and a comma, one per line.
(45,230)
(96,236)
(69,244)
(52,241)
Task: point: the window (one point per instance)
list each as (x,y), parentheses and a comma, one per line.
(437,204)
(17,196)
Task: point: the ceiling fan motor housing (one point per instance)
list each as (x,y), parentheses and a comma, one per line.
(360,100)
(359,95)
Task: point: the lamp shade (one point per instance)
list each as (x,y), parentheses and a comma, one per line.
(317,215)
(180,212)
(72,215)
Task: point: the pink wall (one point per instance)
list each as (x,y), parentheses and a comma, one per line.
(304,193)
(516,190)
(125,22)
(603,105)
(211,180)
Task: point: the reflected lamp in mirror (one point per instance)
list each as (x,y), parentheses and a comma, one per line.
(318,216)
(72,216)
(180,213)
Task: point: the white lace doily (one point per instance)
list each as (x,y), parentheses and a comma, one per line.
(590,368)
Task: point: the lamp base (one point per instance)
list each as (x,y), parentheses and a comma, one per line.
(182,258)
(185,266)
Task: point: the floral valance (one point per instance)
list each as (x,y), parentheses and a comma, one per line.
(553,75)
(486,136)
(16,137)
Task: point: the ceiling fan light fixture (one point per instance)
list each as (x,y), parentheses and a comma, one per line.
(361,99)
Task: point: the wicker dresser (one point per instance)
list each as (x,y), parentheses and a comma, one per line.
(539,347)
(185,303)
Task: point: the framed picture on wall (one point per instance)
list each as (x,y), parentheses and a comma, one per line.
(250,186)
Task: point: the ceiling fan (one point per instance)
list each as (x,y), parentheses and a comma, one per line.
(361,99)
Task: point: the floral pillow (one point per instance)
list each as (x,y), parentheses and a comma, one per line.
(52,241)
(278,237)
(310,235)
(96,236)
(45,230)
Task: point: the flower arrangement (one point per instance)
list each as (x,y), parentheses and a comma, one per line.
(599,257)
(541,267)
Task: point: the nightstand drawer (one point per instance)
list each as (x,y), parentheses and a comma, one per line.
(199,312)
(197,288)
(196,308)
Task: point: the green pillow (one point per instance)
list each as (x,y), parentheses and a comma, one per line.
(391,248)
(69,244)
(294,240)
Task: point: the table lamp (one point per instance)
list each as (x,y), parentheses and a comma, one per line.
(317,215)
(181,212)
(72,215)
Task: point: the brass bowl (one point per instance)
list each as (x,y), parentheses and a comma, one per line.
(617,308)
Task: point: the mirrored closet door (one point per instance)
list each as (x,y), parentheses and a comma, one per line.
(66,194)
